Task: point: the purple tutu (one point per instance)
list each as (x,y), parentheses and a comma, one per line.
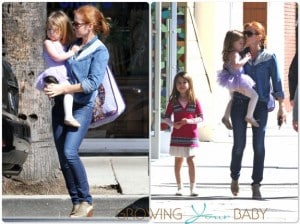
(59,72)
(234,80)
(54,68)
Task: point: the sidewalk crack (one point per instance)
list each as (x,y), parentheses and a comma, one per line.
(118,185)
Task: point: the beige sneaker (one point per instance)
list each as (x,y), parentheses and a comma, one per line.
(74,209)
(85,210)
(235,187)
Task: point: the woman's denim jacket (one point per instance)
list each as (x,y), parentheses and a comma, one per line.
(88,71)
(263,70)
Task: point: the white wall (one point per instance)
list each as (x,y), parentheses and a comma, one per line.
(214,19)
(275,38)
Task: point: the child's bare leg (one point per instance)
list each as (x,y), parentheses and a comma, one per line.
(177,169)
(251,93)
(191,166)
(192,174)
(225,118)
(68,104)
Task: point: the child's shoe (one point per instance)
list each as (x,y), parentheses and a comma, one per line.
(179,189)
(192,189)
(227,123)
(193,193)
(179,192)
(72,122)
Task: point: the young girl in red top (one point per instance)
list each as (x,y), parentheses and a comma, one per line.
(187,113)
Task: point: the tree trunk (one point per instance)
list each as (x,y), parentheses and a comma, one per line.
(23,30)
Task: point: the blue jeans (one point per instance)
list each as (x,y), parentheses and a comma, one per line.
(238,113)
(67,140)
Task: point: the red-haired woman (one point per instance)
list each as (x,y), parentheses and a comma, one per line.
(86,70)
(263,69)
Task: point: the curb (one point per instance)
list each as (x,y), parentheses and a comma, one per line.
(40,207)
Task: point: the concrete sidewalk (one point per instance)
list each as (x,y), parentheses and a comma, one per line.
(215,202)
(129,172)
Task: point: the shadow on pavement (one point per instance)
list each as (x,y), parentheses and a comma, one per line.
(139,208)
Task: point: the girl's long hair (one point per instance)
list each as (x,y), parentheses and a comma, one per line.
(60,20)
(190,93)
(231,37)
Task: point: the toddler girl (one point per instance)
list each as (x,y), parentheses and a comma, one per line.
(232,76)
(59,34)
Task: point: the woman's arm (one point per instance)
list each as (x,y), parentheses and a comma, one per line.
(277,88)
(276,80)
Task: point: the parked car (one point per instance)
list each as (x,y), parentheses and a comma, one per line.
(16,135)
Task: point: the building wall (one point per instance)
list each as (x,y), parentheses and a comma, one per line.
(197,67)
(213,20)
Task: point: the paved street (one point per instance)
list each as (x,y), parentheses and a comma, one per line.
(215,202)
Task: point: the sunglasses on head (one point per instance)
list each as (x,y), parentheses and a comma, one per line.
(249,33)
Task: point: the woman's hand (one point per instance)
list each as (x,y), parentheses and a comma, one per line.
(281,114)
(52,90)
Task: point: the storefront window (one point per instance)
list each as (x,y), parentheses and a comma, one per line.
(128,45)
